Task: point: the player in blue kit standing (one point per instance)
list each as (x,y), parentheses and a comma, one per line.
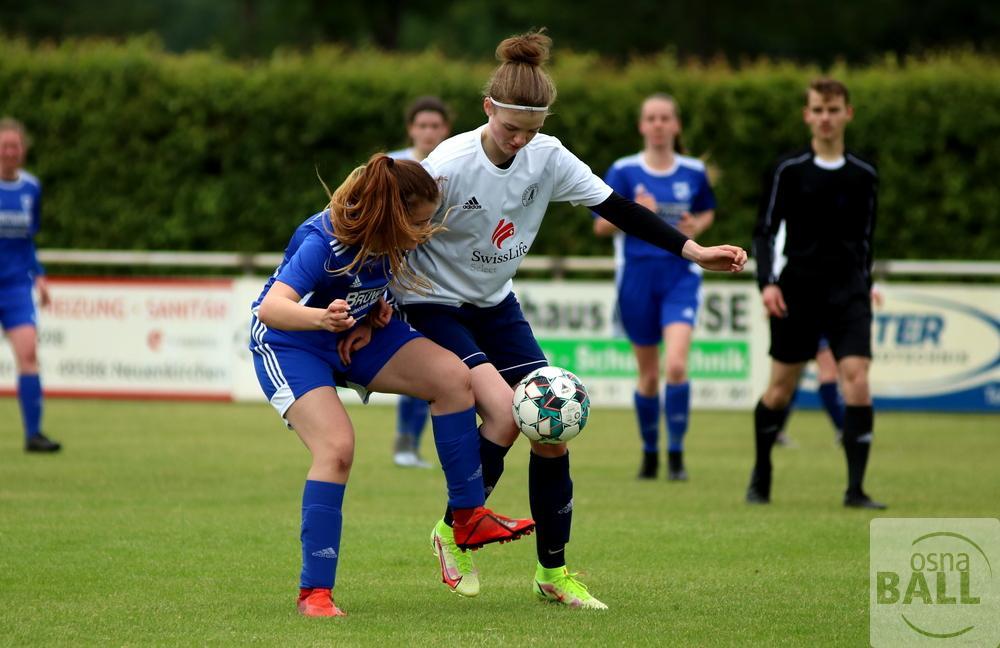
(428,123)
(659,293)
(498,182)
(321,321)
(20,273)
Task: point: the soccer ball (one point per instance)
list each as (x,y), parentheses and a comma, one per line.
(551,405)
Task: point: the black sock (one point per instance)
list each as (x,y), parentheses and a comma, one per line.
(858,427)
(767,423)
(550,492)
(491,455)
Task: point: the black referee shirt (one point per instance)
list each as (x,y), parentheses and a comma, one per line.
(828,215)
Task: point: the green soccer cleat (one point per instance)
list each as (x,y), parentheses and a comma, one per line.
(559,586)
(457,570)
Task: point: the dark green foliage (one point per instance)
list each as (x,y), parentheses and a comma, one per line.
(141,149)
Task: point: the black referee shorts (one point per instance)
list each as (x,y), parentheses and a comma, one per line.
(813,313)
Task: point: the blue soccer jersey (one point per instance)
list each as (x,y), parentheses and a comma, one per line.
(310,266)
(20,217)
(683,188)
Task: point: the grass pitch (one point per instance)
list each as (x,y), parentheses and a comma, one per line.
(177,524)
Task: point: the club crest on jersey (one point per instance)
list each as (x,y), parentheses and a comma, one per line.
(503,231)
(529,195)
(27,202)
(682,190)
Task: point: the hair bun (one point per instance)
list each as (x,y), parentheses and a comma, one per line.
(531,48)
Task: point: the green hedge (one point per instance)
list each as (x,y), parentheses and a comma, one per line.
(139,149)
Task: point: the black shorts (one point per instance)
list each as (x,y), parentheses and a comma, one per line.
(499,335)
(813,313)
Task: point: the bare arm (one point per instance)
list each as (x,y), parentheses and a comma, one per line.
(281,310)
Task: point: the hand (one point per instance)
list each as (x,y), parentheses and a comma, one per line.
(380,314)
(645,198)
(774,301)
(42,285)
(688,225)
(721,258)
(877,297)
(337,317)
(354,340)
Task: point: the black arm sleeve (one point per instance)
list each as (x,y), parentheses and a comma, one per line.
(768,220)
(870,234)
(636,220)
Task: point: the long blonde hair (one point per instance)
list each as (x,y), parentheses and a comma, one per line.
(372,208)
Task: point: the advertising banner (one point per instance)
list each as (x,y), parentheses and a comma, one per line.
(133,338)
(935,346)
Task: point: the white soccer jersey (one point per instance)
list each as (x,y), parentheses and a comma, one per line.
(493,215)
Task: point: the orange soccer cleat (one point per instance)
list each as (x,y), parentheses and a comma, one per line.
(318,602)
(480,526)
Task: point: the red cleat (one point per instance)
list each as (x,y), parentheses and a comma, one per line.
(480,526)
(318,602)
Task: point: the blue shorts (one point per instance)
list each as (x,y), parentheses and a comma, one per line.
(17,307)
(286,372)
(653,293)
(498,335)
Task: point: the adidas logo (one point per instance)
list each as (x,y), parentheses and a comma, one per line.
(566,509)
(325,553)
(476,475)
(356,283)
(472,203)
(865,438)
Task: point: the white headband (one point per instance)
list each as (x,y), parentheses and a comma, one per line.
(516,107)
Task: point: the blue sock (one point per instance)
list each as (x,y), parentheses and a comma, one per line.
(830,396)
(647,411)
(411,418)
(419,411)
(321,524)
(457,439)
(677,406)
(29,395)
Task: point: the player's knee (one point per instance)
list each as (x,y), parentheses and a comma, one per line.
(27,363)
(451,383)
(676,372)
(778,395)
(334,457)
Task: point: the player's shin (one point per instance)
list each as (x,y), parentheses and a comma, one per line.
(491,456)
(321,525)
(858,428)
(457,442)
(550,492)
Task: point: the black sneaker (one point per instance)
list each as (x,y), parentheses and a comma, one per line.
(41,443)
(861,500)
(759,490)
(650,465)
(675,466)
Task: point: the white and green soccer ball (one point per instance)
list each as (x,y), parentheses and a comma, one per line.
(551,405)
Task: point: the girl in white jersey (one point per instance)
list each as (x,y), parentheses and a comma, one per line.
(499,180)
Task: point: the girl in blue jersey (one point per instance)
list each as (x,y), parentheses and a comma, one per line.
(321,322)
(658,292)
(20,272)
(428,123)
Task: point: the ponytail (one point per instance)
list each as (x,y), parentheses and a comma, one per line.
(371,210)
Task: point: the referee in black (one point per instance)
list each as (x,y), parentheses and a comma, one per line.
(825,198)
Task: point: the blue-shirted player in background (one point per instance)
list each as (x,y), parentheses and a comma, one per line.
(322,321)
(428,123)
(658,292)
(20,273)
